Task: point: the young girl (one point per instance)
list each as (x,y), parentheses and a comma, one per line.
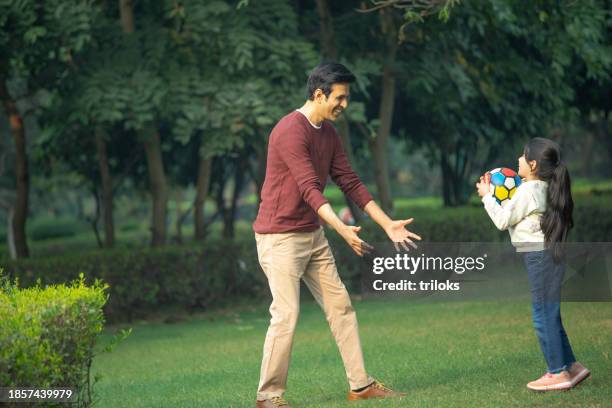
(539,216)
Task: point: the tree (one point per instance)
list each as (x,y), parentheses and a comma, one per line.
(37,43)
(391,33)
(263,64)
(495,74)
(367,42)
(329,51)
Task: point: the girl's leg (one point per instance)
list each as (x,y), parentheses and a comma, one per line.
(557,271)
(537,315)
(545,282)
(568,353)
(551,336)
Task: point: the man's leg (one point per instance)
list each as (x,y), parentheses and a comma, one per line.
(321,277)
(283,258)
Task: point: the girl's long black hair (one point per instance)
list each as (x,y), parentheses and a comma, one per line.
(557,219)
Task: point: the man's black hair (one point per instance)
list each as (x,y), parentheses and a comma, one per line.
(325,75)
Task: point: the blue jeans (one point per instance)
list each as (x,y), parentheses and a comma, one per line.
(545,279)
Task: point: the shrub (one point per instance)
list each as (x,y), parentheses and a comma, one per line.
(46,228)
(47,335)
(142,279)
(132,225)
(196,277)
(592,218)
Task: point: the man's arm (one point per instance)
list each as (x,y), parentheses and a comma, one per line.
(348,232)
(377,214)
(348,181)
(345,177)
(395,229)
(297,158)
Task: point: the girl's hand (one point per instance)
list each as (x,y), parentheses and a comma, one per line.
(484,187)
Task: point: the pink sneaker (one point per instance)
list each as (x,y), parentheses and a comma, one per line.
(551,382)
(578,373)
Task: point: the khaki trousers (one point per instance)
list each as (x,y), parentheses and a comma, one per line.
(286,258)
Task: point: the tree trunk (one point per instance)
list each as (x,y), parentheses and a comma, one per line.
(96,218)
(260,175)
(455,176)
(7,205)
(180,215)
(221,207)
(107,188)
(328,45)
(22,177)
(447,181)
(229,230)
(152,145)
(80,207)
(10,237)
(157,181)
(344,132)
(126,11)
(203,185)
(329,51)
(379,143)
(466,170)
(586,155)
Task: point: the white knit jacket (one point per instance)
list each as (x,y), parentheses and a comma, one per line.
(521,215)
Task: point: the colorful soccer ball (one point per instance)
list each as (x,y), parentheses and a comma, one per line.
(505,181)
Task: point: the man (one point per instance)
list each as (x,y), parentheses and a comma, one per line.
(304,149)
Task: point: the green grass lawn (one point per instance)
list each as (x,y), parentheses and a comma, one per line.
(453,354)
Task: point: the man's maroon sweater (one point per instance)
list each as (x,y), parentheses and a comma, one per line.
(300,158)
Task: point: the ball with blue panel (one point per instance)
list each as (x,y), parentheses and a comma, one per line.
(506,182)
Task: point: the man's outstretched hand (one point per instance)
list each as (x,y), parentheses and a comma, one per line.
(395,229)
(359,246)
(400,236)
(349,233)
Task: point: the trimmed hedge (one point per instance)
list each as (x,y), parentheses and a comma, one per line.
(592,218)
(49,227)
(47,335)
(140,280)
(196,277)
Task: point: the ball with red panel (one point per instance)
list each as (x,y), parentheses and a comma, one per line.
(505,182)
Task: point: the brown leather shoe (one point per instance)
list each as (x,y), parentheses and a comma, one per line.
(273,402)
(374,390)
